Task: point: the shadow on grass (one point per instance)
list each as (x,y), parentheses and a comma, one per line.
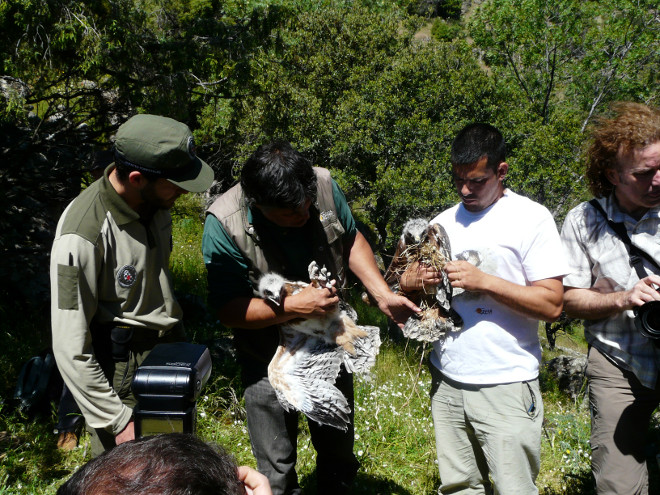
(573,484)
(364,484)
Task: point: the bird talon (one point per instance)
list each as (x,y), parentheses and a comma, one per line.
(313,270)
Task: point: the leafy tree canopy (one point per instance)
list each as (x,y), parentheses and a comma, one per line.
(355,84)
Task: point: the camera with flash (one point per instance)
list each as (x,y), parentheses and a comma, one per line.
(167,386)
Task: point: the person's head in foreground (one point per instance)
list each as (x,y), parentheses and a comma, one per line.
(171,464)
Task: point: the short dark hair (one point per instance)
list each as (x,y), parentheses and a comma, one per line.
(171,464)
(124,169)
(278,176)
(474,142)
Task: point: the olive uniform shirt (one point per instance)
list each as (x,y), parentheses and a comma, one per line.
(108,267)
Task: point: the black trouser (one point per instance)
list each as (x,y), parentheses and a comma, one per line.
(68,412)
(273,434)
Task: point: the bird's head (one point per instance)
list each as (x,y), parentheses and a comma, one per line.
(271,287)
(414,231)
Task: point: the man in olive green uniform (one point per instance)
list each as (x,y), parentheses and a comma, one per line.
(112,297)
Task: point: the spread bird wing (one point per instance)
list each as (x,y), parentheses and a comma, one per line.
(440,249)
(303,372)
(311,351)
(366,350)
(366,341)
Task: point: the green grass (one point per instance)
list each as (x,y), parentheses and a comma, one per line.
(394,438)
(392,424)
(565,450)
(186,263)
(394,434)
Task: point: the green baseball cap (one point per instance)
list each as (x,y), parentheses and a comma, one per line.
(162,147)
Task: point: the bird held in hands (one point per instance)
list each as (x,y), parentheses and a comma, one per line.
(311,352)
(428,245)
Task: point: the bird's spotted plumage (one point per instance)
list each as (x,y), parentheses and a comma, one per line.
(427,244)
(311,351)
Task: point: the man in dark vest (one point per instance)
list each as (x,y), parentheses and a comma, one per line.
(283,215)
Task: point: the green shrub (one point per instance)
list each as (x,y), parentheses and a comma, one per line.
(443,30)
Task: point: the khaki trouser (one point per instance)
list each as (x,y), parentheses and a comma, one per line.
(120,375)
(621,409)
(492,429)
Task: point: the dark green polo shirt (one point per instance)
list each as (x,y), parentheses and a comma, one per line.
(227,269)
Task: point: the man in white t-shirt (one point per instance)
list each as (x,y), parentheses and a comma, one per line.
(507,274)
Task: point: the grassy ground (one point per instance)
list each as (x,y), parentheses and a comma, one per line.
(394,435)
(394,438)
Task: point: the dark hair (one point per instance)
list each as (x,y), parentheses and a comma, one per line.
(632,126)
(278,176)
(474,142)
(124,169)
(171,464)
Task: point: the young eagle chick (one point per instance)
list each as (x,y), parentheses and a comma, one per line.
(311,351)
(427,244)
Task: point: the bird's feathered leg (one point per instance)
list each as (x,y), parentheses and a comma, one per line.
(340,328)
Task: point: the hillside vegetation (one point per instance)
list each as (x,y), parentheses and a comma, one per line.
(347,82)
(356,85)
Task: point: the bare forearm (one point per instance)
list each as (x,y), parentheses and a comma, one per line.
(590,304)
(362,263)
(250,313)
(542,300)
(255,313)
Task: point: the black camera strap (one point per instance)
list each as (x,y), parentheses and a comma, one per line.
(634,252)
(646,316)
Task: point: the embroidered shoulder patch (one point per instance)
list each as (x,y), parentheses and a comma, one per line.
(126,276)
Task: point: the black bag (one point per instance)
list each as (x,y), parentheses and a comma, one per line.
(39,382)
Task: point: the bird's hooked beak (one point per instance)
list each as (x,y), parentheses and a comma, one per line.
(273,300)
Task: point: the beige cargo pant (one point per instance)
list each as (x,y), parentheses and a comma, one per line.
(621,409)
(482,430)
